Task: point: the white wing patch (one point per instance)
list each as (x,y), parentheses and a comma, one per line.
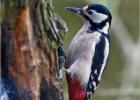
(105,28)
(106,52)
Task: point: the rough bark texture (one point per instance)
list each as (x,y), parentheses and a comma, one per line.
(32,50)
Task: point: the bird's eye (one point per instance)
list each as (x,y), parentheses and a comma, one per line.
(89,12)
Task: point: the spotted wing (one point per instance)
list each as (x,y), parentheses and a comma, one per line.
(98,64)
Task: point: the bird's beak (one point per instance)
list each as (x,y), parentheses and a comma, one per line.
(75,10)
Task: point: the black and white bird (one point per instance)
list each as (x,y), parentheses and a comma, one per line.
(88,52)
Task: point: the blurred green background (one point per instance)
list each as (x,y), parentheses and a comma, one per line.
(121,79)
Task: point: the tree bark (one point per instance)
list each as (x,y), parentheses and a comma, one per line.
(32,51)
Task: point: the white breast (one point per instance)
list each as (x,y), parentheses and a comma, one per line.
(80,56)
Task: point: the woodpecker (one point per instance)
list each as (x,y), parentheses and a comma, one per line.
(88,52)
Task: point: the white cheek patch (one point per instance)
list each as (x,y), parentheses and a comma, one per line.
(98,17)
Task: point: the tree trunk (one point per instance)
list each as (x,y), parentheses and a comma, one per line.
(32,51)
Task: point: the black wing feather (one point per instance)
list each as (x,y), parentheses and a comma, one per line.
(96,65)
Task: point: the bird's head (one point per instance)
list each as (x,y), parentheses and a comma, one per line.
(95,14)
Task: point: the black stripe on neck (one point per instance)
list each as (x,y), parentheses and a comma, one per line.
(98,26)
(90,30)
(104,34)
(95,26)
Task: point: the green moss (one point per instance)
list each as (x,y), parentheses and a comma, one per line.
(18,3)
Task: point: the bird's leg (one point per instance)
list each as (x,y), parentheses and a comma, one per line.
(66,70)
